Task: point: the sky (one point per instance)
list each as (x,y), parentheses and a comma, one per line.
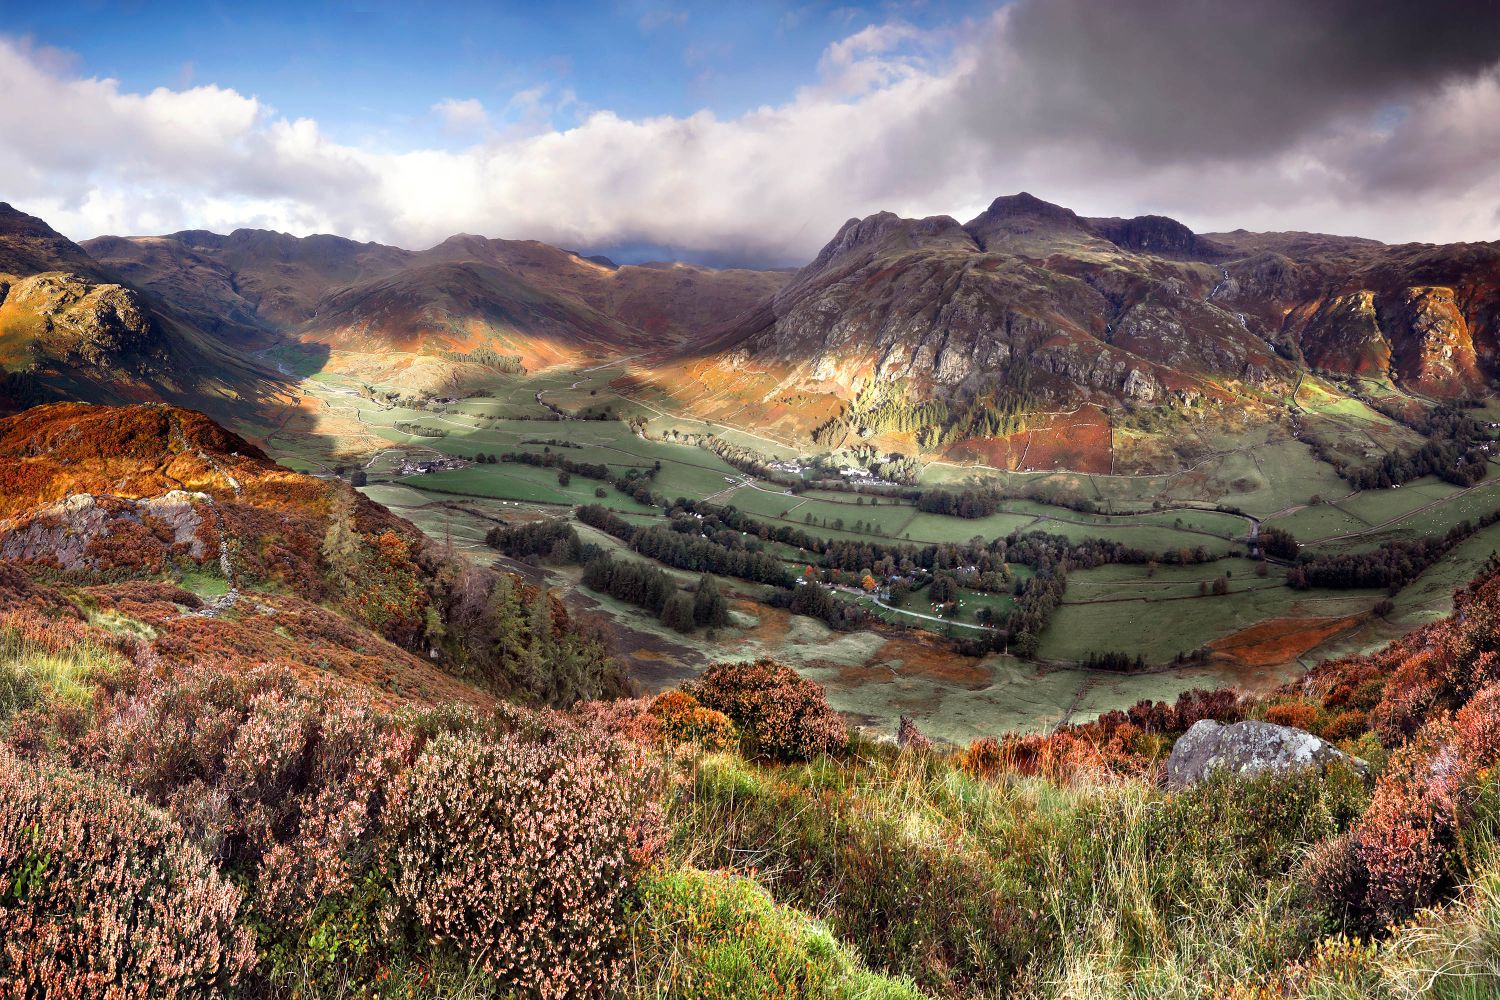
(746,133)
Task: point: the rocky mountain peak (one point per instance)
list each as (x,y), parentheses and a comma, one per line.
(1022,217)
(1158,235)
(887,231)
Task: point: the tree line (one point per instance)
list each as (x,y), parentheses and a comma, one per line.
(650,588)
(1393,565)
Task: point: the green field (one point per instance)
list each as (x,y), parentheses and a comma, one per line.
(1262,470)
(1160,627)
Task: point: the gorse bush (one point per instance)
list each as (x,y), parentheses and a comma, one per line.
(517,852)
(100,897)
(683,719)
(783,714)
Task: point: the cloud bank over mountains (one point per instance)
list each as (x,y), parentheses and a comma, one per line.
(1373,119)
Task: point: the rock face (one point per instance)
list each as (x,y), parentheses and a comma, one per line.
(86,532)
(1247,748)
(1439,350)
(1109,311)
(1089,310)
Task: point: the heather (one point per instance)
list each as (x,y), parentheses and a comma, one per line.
(382,771)
(102,897)
(736,840)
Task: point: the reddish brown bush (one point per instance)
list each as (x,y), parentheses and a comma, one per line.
(100,897)
(783,714)
(1346,725)
(985,757)
(1402,845)
(517,852)
(1297,714)
(1192,707)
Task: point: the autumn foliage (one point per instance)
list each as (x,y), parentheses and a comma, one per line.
(684,720)
(782,713)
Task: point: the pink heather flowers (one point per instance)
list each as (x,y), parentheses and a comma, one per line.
(101,898)
(518,853)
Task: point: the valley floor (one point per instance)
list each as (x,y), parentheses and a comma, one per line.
(1254,635)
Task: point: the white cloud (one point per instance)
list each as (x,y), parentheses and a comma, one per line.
(461,115)
(897,120)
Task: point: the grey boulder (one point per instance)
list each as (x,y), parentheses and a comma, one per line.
(1247,748)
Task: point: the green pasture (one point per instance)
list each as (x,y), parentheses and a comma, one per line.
(1161,627)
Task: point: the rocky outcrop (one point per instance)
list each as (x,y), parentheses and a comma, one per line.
(1159,236)
(1436,350)
(1343,334)
(79,320)
(954,310)
(84,531)
(1247,748)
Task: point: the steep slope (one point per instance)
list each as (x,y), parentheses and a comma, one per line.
(1030,305)
(672,300)
(29,246)
(68,331)
(249,283)
(155,498)
(1027,303)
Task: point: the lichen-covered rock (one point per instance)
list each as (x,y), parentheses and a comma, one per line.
(1247,748)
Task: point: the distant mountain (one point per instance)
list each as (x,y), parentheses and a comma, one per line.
(69,329)
(519,298)
(1029,297)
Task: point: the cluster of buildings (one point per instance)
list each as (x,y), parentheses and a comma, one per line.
(418,467)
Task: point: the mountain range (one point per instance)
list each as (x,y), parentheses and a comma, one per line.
(1028,305)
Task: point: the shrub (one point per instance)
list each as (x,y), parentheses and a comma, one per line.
(684,720)
(782,713)
(1410,844)
(517,852)
(709,936)
(286,783)
(909,737)
(627,719)
(101,897)
(1297,714)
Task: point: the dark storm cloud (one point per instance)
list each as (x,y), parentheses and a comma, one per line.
(1168,79)
(1370,119)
